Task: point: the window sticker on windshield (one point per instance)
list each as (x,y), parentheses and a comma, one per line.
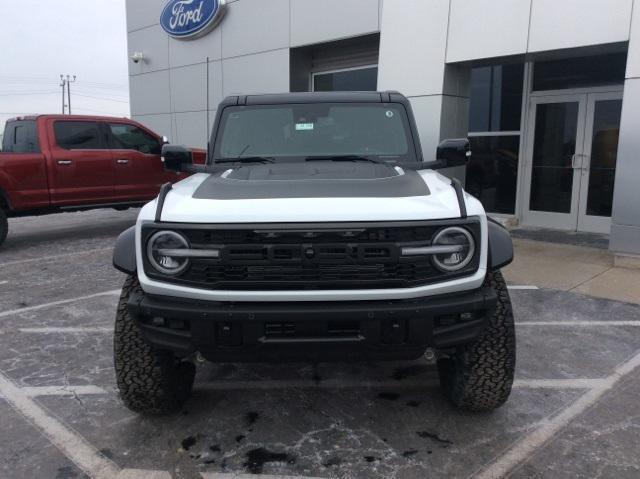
(389,114)
(304,126)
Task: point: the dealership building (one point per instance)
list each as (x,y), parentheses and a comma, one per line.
(548,91)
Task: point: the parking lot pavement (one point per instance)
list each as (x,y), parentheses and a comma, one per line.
(573,412)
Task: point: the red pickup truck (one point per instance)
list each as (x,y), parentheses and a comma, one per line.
(54,163)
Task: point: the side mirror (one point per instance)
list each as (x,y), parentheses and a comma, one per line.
(176,158)
(455,152)
(165,140)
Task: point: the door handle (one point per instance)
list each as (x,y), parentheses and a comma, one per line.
(64,162)
(122,162)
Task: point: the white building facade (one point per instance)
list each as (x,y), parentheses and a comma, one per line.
(548,91)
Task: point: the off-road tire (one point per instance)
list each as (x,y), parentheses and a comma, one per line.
(150,381)
(4,226)
(479,376)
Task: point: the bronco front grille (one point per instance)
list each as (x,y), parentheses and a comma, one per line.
(312,256)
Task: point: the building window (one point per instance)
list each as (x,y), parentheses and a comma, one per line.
(352,79)
(492,173)
(494,133)
(343,65)
(496,98)
(599,70)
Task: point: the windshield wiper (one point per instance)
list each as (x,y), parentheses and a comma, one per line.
(341,158)
(247,159)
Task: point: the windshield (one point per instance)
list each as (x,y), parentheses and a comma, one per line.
(299,132)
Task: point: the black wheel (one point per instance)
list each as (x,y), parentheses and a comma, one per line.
(4,226)
(150,381)
(479,376)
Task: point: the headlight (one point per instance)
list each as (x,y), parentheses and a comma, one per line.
(462,248)
(166,251)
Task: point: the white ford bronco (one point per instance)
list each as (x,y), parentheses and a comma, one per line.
(316,231)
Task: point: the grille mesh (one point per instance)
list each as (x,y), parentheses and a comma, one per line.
(313,258)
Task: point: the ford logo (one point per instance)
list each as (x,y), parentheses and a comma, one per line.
(188,19)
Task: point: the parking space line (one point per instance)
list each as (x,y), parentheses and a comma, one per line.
(4,282)
(579,383)
(577,323)
(58,303)
(70,443)
(521,287)
(143,474)
(225,475)
(66,330)
(55,257)
(36,391)
(526,446)
(431,381)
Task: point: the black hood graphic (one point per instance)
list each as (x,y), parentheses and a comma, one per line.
(313,180)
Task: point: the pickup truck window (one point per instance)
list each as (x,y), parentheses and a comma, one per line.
(78,135)
(130,137)
(21,137)
(294,132)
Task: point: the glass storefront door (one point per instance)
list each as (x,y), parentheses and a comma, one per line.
(571,159)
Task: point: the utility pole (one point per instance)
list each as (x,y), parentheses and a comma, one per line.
(63,84)
(69,82)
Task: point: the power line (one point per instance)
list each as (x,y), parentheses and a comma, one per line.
(21,79)
(103,98)
(22,93)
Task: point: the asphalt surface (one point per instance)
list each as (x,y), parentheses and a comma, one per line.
(573,412)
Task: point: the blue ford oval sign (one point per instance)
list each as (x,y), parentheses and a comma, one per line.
(188,19)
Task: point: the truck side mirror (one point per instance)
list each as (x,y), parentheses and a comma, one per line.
(176,158)
(453,152)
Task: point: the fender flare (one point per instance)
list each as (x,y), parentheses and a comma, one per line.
(500,245)
(124,252)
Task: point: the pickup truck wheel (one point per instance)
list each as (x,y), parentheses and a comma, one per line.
(150,381)
(479,376)
(4,226)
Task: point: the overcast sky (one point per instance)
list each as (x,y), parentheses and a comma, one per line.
(40,39)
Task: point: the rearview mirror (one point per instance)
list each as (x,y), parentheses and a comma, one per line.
(453,152)
(176,158)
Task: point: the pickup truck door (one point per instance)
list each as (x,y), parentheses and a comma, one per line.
(136,156)
(81,170)
(23,171)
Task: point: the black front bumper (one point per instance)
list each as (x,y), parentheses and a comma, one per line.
(339,330)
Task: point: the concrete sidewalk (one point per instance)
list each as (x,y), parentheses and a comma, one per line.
(578,269)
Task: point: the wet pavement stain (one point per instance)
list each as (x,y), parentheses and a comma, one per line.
(188,442)
(403,373)
(435,437)
(389,396)
(371,458)
(411,452)
(66,472)
(107,453)
(257,458)
(215,448)
(413,403)
(251,418)
(240,437)
(333,461)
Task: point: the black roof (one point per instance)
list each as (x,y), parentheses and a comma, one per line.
(317,97)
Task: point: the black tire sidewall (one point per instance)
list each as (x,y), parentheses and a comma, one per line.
(150,381)
(4,226)
(465,374)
